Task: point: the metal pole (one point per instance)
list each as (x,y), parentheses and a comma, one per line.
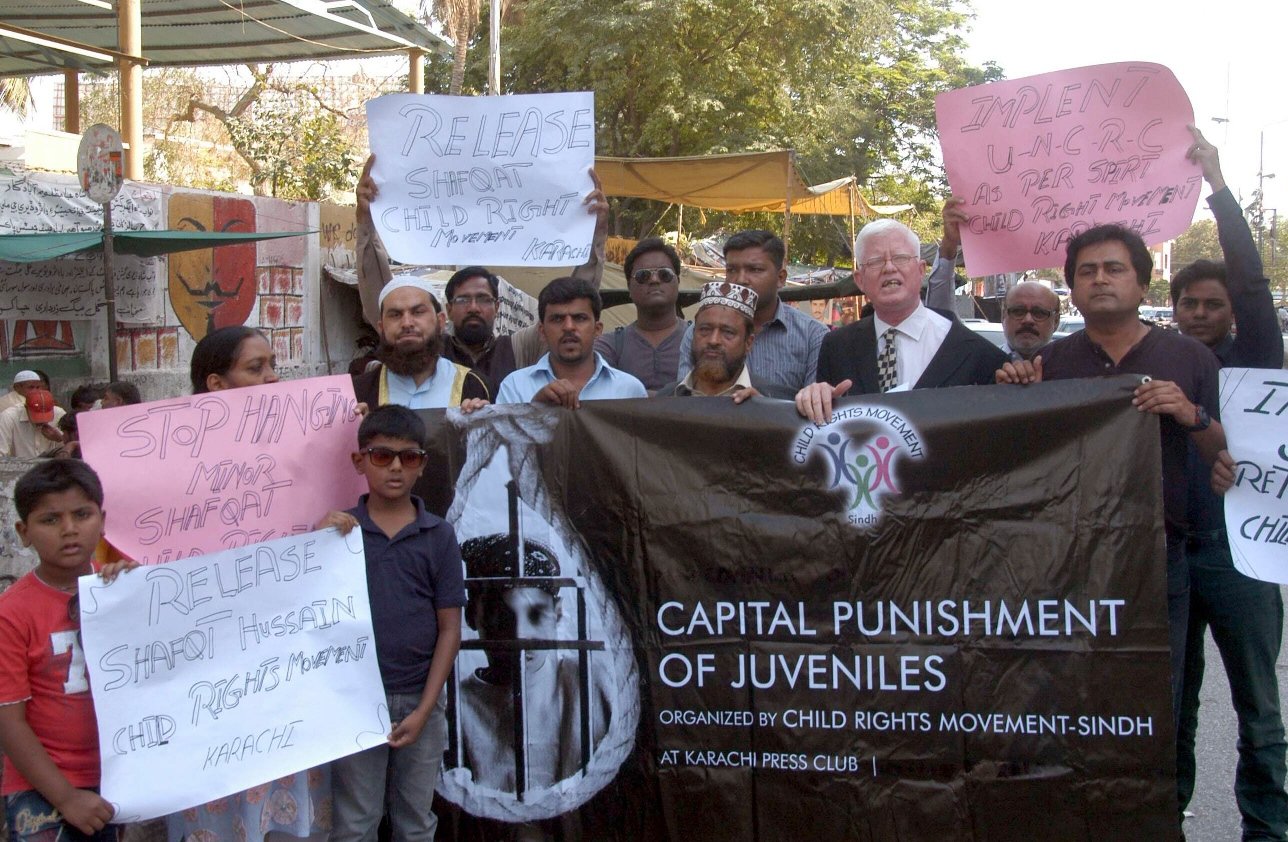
(130,29)
(415,71)
(1261,190)
(494,48)
(109,293)
(71,102)
(787,206)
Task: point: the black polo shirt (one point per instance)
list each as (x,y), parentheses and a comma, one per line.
(1161,355)
(409,577)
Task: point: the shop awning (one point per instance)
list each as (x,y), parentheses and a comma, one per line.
(53,35)
(28,248)
(752,181)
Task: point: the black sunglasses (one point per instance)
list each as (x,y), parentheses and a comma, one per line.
(642,276)
(382,457)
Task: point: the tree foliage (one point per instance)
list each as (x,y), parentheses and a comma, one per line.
(1200,241)
(284,136)
(849,84)
(15,95)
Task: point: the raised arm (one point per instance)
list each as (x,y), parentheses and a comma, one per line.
(1257,337)
(372,259)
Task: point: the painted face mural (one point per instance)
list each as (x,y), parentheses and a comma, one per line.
(212,288)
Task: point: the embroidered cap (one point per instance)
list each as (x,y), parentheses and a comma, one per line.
(741,298)
(26,376)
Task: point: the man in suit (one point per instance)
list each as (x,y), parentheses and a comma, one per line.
(903,344)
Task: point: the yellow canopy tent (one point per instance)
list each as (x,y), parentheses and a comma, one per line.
(743,182)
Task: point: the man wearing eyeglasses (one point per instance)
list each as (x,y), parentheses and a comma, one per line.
(472,295)
(903,344)
(1029,317)
(649,347)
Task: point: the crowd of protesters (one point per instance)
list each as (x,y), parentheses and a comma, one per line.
(743,342)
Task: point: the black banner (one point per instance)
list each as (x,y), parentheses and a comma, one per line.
(941,616)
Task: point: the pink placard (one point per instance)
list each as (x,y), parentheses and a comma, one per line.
(1039,160)
(203,473)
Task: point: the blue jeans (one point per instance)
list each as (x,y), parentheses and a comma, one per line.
(33,819)
(1246,618)
(362,783)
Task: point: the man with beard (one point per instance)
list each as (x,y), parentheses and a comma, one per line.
(568,313)
(472,297)
(1029,317)
(412,371)
(723,332)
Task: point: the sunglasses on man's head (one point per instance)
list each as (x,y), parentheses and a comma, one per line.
(382,457)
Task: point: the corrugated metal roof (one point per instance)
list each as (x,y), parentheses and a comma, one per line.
(201,32)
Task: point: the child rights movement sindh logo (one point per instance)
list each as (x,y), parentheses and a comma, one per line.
(861,462)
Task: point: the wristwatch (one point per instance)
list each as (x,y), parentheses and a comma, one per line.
(1201,420)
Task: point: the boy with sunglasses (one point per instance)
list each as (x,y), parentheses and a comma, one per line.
(417,590)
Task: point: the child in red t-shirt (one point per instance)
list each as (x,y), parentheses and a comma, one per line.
(47,726)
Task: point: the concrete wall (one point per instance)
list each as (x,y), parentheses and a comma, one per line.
(278,286)
(15,560)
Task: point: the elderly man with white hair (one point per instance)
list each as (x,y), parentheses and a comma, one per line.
(413,371)
(903,344)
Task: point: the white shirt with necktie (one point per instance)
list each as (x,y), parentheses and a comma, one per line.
(917,340)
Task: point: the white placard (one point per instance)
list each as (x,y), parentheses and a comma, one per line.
(497,181)
(214,674)
(1254,412)
(72,287)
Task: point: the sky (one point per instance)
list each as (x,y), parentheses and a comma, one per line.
(1231,56)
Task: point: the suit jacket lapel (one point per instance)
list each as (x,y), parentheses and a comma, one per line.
(866,354)
(947,360)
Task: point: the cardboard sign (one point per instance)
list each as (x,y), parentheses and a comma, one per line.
(1254,412)
(1039,160)
(215,674)
(497,181)
(207,472)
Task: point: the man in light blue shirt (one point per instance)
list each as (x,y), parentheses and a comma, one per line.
(568,314)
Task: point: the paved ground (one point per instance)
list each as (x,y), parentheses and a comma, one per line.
(1215,817)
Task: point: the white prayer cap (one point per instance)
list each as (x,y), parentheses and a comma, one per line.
(26,376)
(407,281)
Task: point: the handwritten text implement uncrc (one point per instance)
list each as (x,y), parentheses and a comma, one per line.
(1040,160)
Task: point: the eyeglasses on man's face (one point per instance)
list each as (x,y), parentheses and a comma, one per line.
(467,300)
(1039,314)
(876,264)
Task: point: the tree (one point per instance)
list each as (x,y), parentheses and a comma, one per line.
(849,84)
(15,95)
(461,19)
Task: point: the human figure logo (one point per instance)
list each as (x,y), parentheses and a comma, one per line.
(861,462)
